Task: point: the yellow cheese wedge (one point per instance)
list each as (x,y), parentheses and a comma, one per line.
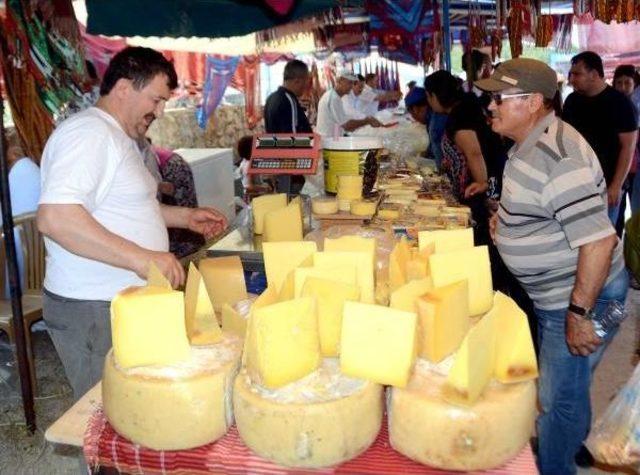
(405,298)
(361,261)
(233,322)
(156,278)
(284,224)
(261,205)
(330,297)
(224,279)
(324,205)
(474,364)
(350,187)
(388,213)
(515,353)
(352,244)
(148,327)
(341,274)
(280,258)
(200,318)
(471,264)
(447,240)
(277,332)
(443,320)
(378,343)
(400,255)
(363,208)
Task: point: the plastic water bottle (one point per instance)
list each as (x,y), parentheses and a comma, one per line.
(609,319)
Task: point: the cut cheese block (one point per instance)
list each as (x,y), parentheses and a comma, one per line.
(261,205)
(284,224)
(474,364)
(324,205)
(378,343)
(320,421)
(224,279)
(443,320)
(358,244)
(515,353)
(249,354)
(388,213)
(156,278)
(405,298)
(350,187)
(448,240)
(173,407)
(361,261)
(281,258)
(471,264)
(363,208)
(342,274)
(233,322)
(148,327)
(418,266)
(330,297)
(200,318)
(484,436)
(276,333)
(398,259)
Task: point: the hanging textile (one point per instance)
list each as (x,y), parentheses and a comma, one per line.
(219,71)
(189,66)
(247,80)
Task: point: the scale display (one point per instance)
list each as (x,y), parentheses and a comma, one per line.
(285,154)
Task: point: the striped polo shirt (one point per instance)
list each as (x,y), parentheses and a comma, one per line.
(553,201)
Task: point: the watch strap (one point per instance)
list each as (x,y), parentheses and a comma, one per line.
(578,310)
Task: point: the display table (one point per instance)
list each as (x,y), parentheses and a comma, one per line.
(85,425)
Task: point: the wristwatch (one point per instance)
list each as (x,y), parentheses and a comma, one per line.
(581,311)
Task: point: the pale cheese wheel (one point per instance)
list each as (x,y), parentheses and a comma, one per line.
(174,407)
(321,420)
(324,205)
(438,434)
(363,208)
(350,187)
(344,205)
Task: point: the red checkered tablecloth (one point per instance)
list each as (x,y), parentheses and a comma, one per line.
(103,447)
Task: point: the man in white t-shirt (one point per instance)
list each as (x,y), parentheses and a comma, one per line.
(371,97)
(351,102)
(98,211)
(332,119)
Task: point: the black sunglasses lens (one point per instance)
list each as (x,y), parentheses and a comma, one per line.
(497,98)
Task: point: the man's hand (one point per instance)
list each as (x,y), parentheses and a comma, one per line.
(207,221)
(614,193)
(493,225)
(166,262)
(373,122)
(475,188)
(581,337)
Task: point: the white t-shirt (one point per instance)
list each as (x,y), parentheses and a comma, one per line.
(89,160)
(331,115)
(352,106)
(369,103)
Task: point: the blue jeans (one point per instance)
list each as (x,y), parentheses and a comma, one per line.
(612,212)
(564,383)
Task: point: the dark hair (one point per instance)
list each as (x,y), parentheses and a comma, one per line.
(411,84)
(139,65)
(446,87)
(628,70)
(592,61)
(244,146)
(555,103)
(295,69)
(473,60)
(369,76)
(360,77)
(91,70)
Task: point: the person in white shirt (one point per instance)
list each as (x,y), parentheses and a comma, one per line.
(99,215)
(370,98)
(351,102)
(332,119)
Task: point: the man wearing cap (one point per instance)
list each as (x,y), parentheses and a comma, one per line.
(553,233)
(332,119)
(418,108)
(606,118)
(351,102)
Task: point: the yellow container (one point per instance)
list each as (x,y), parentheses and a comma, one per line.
(351,156)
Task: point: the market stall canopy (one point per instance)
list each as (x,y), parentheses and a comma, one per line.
(203,18)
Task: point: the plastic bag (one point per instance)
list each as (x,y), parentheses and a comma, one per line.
(615,437)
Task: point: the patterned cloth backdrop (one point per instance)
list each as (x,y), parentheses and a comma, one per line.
(219,72)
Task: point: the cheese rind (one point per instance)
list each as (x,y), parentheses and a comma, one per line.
(148,327)
(200,318)
(261,205)
(224,279)
(308,435)
(154,407)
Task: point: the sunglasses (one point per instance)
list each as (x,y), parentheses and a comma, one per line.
(499,97)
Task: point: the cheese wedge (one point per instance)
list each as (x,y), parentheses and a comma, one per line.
(398,259)
(405,298)
(361,261)
(261,205)
(148,327)
(284,224)
(233,322)
(224,279)
(443,320)
(280,258)
(447,240)
(352,244)
(474,364)
(156,278)
(341,274)
(277,333)
(515,353)
(377,343)
(330,297)
(200,318)
(470,264)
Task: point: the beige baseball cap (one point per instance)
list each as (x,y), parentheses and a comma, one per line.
(347,74)
(529,75)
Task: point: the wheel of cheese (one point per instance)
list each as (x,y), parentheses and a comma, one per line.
(486,435)
(321,420)
(324,205)
(174,407)
(363,208)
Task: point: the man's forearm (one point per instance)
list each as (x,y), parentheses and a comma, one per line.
(176,216)
(594,262)
(625,156)
(73,228)
(354,124)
